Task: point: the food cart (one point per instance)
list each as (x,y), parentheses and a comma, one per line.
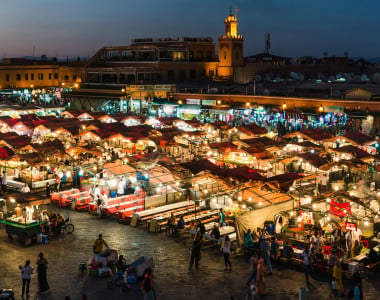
(21,218)
(24,231)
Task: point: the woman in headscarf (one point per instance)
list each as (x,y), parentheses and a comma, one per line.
(260,277)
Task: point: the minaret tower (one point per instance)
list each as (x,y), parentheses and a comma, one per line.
(230,48)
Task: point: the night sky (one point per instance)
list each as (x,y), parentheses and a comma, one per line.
(297,27)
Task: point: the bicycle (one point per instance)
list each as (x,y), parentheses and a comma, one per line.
(67,226)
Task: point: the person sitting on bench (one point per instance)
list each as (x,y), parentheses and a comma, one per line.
(288,251)
(171,225)
(215,233)
(180,226)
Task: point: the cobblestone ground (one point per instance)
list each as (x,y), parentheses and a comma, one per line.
(171,256)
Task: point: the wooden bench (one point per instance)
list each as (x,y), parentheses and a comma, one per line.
(144,222)
(146,214)
(83,202)
(123,207)
(67,200)
(56,196)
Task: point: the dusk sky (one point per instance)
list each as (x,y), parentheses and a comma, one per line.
(297,27)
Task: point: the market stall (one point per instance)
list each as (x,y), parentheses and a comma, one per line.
(21,217)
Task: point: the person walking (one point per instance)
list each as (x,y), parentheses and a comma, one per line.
(265,252)
(147,285)
(196,251)
(226,253)
(98,244)
(306,255)
(26,275)
(260,277)
(43,285)
(337,276)
(253,268)
(356,291)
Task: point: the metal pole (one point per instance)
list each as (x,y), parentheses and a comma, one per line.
(195,207)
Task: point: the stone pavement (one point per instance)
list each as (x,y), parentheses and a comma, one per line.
(171,256)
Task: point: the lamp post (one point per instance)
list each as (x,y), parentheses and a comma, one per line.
(291,189)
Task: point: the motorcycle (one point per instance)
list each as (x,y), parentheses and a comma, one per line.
(67,226)
(7,294)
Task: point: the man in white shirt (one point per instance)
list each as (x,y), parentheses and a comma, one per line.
(25,189)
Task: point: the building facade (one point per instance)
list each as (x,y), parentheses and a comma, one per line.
(23,73)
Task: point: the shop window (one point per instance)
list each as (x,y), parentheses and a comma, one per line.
(49,76)
(55,75)
(27,77)
(18,77)
(170,75)
(6,77)
(177,55)
(32,76)
(40,76)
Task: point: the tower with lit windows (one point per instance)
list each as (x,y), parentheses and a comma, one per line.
(230,48)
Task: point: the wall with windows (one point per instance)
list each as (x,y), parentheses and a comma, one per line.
(26,76)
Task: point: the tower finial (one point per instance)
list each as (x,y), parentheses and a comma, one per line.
(230,9)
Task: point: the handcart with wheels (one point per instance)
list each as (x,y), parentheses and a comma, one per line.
(101,262)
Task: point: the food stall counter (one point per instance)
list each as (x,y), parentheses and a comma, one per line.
(23,230)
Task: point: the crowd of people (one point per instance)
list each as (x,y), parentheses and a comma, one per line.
(341,246)
(52,223)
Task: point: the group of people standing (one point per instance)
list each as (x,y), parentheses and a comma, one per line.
(27,272)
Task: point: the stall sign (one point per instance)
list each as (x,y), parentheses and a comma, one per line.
(350,226)
(193,101)
(334,109)
(209,102)
(306,216)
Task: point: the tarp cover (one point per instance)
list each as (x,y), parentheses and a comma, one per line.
(340,209)
(257,217)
